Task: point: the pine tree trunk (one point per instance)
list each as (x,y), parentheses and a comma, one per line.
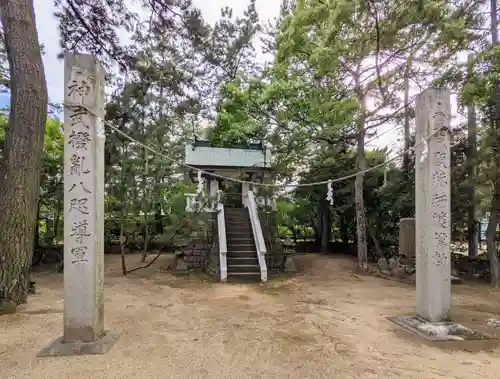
(36,242)
(358,193)
(471,171)
(57,218)
(22,155)
(326,228)
(491,233)
(406,121)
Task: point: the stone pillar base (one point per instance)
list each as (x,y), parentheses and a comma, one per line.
(180,266)
(290,264)
(59,348)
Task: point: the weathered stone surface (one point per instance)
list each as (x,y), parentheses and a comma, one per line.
(399,272)
(432,203)
(83,198)
(393,264)
(290,266)
(59,348)
(84,139)
(407,237)
(7,308)
(382,264)
(180,266)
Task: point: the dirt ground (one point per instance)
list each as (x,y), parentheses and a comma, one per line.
(325,322)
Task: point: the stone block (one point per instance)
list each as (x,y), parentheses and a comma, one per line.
(60,348)
(290,264)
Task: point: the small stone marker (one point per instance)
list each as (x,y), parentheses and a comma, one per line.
(407,237)
(84,140)
(383,265)
(432,202)
(290,266)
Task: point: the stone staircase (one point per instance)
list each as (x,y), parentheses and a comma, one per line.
(242,261)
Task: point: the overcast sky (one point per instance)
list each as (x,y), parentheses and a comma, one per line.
(49,36)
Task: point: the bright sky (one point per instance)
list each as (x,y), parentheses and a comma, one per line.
(49,36)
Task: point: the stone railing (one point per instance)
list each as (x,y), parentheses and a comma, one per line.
(194,202)
(271,202)
(221,228)
(258,236)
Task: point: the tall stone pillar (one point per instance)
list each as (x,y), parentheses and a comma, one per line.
(432,202)
(84,139)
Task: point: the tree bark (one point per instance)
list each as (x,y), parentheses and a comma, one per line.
(362,248)
(57,218)
(407,115)
(326,228)
(36,242)
(22,154)
(378,249)
(491,235)
(122,243)
(495,201)
(471,170)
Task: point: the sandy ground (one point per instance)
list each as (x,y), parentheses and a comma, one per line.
(326,322)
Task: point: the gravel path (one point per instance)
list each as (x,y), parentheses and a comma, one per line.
(324,323)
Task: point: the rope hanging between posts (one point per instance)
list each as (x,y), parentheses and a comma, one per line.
(256,184)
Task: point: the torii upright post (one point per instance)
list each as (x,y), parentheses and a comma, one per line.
(433,206)
(83,211)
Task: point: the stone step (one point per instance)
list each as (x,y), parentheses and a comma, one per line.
(243,268)
(239,213)
(241,247)
(239,234)
(241,254)
(246,239)
(237,221)
(241,217)
(247,277)
(235,261)
(238,229)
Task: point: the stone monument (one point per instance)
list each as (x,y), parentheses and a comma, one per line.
(432,202)
(84,140)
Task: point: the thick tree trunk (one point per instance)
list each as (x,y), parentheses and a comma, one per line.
(379,253)
(145,208)
(358,191)
(325,228)
(36,242)
(57,219)
(491,234)
(22,155)
(471,171)
(122,244)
